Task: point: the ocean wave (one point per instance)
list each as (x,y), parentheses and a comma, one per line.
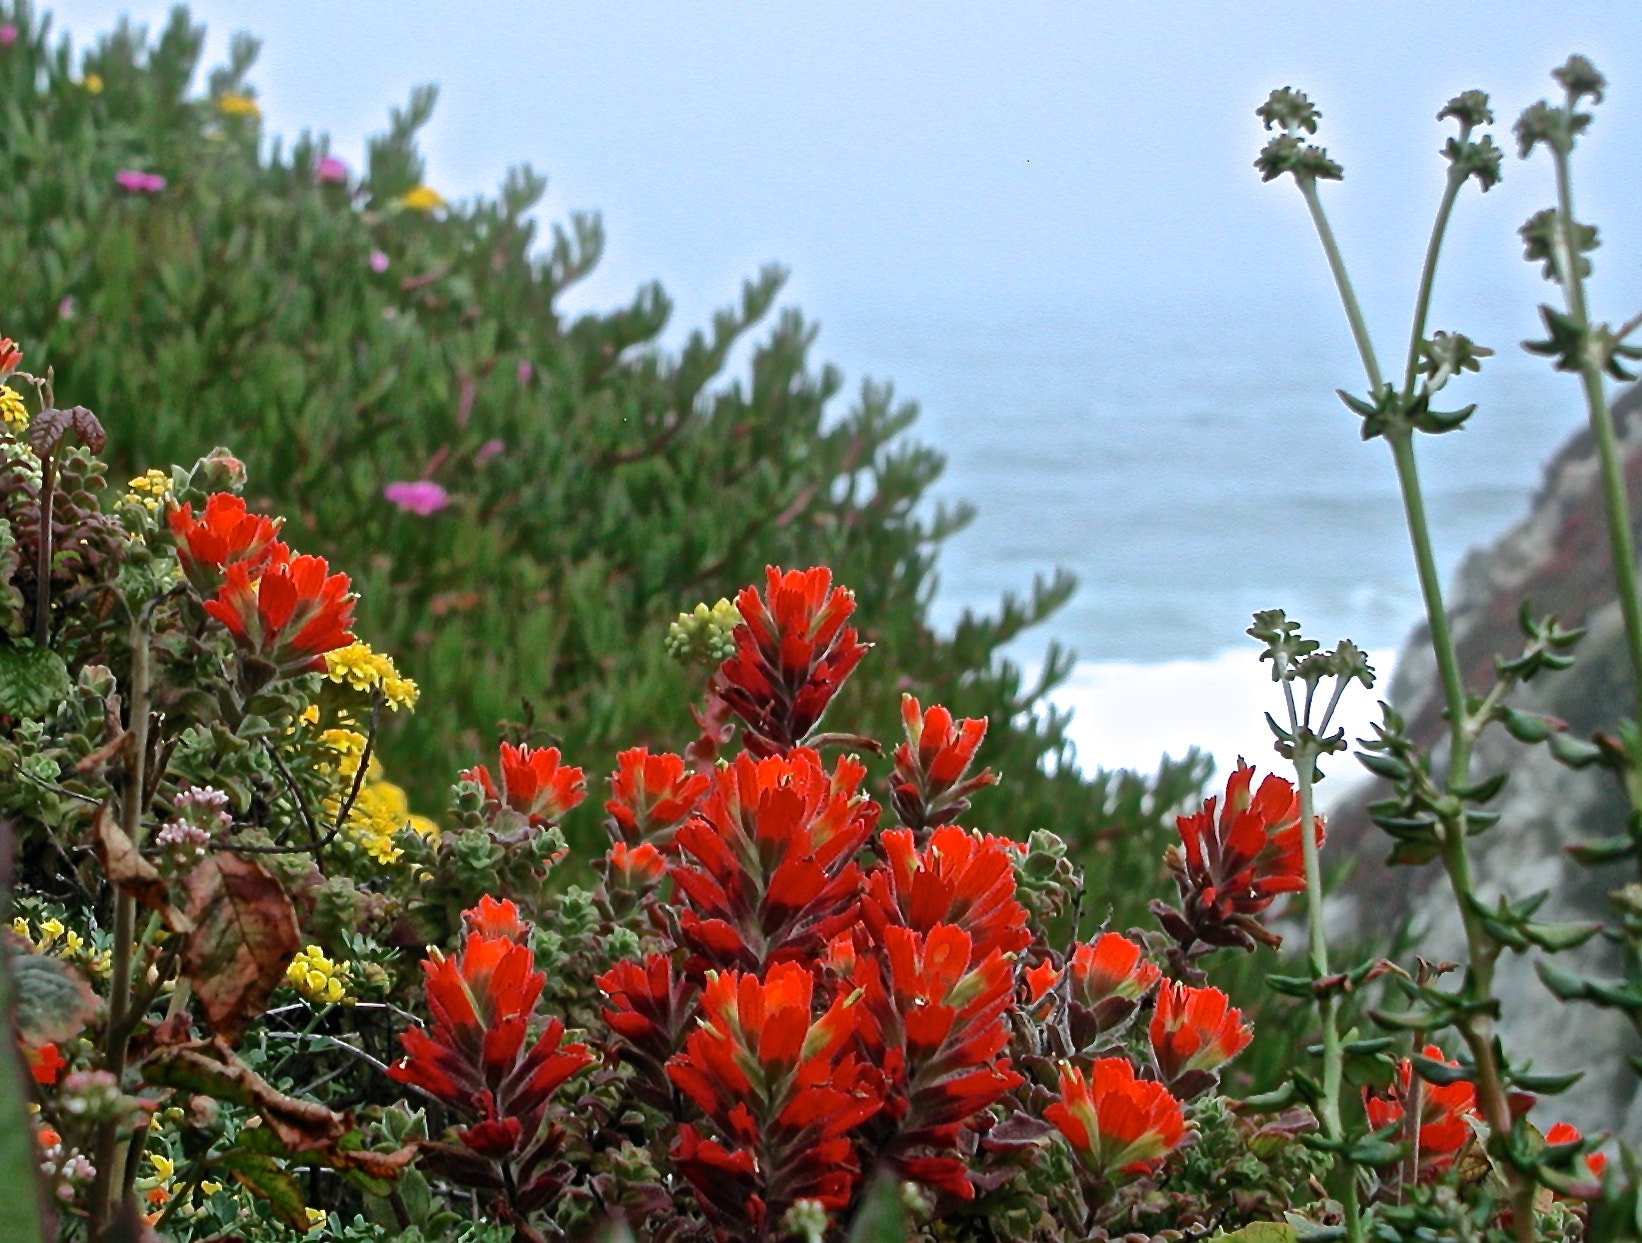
(1129,714)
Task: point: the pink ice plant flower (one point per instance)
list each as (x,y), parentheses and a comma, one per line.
(423,497)
(379,261)
(8,35)
(330,171)
(138,182)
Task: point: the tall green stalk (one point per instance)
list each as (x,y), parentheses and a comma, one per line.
(1476,1029)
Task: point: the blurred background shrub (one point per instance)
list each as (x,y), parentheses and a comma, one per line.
(198,282)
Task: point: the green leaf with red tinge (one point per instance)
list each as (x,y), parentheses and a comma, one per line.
(244,936)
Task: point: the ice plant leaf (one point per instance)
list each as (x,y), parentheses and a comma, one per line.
(244,936)
(33,681)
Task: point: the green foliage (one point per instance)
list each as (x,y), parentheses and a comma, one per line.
(598,485)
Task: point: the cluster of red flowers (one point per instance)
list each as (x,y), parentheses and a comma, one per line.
(286,611)
(826,998)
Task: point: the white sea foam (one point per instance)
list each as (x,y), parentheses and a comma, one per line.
(1129,714)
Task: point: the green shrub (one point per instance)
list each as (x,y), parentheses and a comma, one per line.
(345,335)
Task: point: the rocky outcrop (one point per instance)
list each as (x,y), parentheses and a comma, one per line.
(1556,558)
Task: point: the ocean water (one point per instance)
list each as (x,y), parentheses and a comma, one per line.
(1186,494)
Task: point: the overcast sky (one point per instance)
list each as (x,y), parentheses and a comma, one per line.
(923,159)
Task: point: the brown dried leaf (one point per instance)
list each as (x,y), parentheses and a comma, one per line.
(128,870)
(244,936)
(211,1068)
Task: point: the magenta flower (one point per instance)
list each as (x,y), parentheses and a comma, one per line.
(330,171)
(8,35)
(487,451)
(421,498)
(65,308)
(526,372)
(379,261)
(138,182)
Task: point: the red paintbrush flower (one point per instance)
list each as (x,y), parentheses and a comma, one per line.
(766,866)
(781,1093)
(1107,979)
(1111,966)
(938,1030)
(474,1059)
(650,795)
(1194,1032)
(930,786)
(650,1009)
(1040,979)
(1118,1126)
(289,615)
(224,534)
(10,356)
(1230,867)
(793,652)
(45,1062)
(959,878)
(634,867)
(1447,1114)
(536,788)
(1593,1163)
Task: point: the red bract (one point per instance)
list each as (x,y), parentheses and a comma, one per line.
(930,786)
(1230,867)
(781,1094)
(1108,977)
(474,1059)
(650,795)
(1118,1126)
(766,864)
(1194,1032)
(10,356)
(793,652)
(1447,1115)
(635,867)
(290,615)
(938,1029)
(224,534)
(535,786)
(1566,1133)
(959,878)
(650,1008)
(1110,966)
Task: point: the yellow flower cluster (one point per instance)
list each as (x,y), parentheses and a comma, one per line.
(149,489)
(366,670)
(317,978)
(59,939)
(349,747)
(423,198)
(93,83)
(235,105)
(379,812)
(14,415)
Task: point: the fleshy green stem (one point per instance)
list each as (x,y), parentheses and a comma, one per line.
(1428,274)
(120,1019)
(1477,1030)
(1342,282)
(1615,497)
(1305,757)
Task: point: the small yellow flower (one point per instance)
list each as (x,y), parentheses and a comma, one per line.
(162,1166)
(93,83)
(236,105)
(149,489)
(14,415)
(21,927)
(423,198)
(348,746)
(50,930)
(316,1217)
(358,666)
(210,1188)
(317,978)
